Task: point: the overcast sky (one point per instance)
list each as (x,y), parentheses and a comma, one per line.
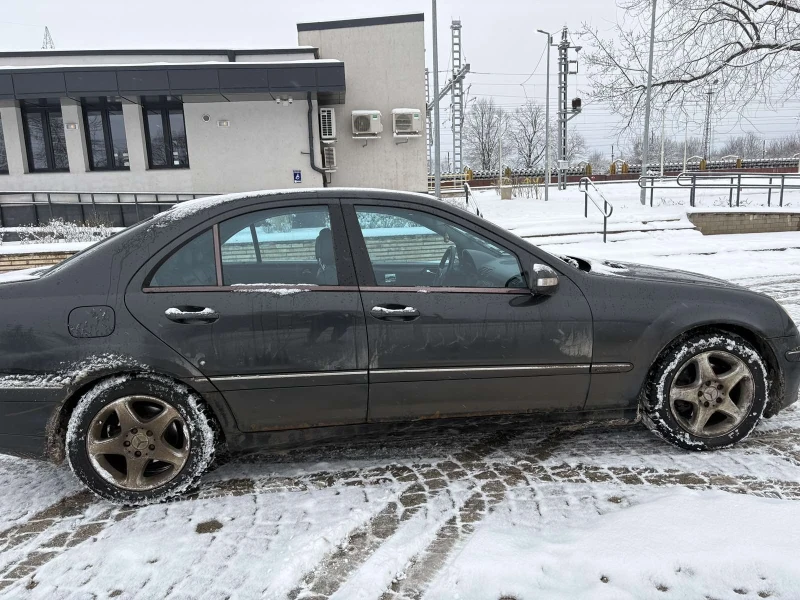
(499,38)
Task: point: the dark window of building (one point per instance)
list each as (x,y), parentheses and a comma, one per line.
(105,134)
(44,135)
(3,155)
(166,132)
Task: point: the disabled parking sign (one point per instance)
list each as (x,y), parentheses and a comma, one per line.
(298,176)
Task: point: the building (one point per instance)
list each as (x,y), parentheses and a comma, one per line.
(344,108)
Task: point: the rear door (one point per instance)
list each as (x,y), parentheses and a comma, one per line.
(264,303)
(453,329)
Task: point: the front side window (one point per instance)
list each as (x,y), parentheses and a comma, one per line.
(191,265)
(166,132)
(3,155)
(409,248)
(44,135)
(279,246)
(105,134)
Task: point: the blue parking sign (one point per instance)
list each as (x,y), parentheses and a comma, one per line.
(298,176)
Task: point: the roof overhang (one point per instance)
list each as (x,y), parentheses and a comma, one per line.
(323,79)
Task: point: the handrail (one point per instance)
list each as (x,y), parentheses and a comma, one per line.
(695,180)
(606,211)
(468,194)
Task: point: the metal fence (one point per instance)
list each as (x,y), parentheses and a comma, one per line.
(591,192)
(113,209)
(734,183)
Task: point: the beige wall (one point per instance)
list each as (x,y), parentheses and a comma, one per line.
(384,69)
(263,145)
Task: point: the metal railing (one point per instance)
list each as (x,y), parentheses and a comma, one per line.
(588,188)
(468,195)
(694,180)
(115,209)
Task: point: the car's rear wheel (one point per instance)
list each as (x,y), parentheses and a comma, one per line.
(706,392)
(136,440)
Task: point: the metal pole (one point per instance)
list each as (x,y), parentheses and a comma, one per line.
(547,120)
(685,141)
(663,120)
(646,135)
(437,155)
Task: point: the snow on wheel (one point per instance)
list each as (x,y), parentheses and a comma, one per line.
(706,392)
(139,439)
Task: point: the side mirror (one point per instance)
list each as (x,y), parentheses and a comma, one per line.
(543,280)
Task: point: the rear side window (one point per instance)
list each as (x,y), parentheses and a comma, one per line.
(279,246)
(191,265)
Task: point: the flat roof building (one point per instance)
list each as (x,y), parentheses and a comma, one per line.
(344,108)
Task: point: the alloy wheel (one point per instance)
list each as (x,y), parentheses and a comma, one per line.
(138,442)
(712,393)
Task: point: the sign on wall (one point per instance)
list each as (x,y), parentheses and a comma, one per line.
(298,176)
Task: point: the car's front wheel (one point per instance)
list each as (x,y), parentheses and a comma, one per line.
(706,392)
(136,440)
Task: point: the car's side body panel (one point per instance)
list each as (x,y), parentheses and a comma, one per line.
(594,325)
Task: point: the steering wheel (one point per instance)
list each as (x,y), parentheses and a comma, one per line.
(446,265)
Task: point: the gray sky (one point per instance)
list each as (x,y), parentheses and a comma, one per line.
(499,38)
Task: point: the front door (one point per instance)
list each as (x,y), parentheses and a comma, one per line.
(276,324)
(452,328)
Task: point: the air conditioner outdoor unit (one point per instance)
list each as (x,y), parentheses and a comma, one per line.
(367,123)
(406,122)
(327,124)
(329,158)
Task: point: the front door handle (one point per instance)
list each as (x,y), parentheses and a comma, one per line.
(191,314)
(394,312)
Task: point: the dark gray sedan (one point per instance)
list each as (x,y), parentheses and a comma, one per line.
(238,321)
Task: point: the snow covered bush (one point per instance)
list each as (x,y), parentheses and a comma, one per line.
(59,230)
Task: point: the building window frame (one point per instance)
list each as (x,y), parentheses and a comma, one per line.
(45,109)
(104,106)
(164,105)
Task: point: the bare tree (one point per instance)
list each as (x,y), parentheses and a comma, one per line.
(748,145)
(481,128)
(576,146)
(747,48)
(526,131)
(598,159)
(786,147)
(673,149)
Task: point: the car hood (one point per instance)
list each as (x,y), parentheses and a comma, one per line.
(647,272)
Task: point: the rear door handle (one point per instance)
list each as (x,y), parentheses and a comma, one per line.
(394,312)
(191,314)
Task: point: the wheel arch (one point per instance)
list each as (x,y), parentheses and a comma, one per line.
(56,430)
(750,335)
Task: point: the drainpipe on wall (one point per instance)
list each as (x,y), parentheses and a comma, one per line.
(311,142)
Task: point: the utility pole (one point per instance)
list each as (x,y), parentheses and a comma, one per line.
(547,119)
(612,154)
(685,141)
(47,42)
(646,136)
(707,128)
(564,113)
(663,120)
(428,117)
(437,173)
(456,95)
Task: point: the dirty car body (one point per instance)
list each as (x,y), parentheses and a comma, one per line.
(356,333)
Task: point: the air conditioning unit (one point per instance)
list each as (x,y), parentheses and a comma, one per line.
(327,124)
(329,158)
(406,122)
(367,123)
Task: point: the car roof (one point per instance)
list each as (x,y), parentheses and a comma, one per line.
(189,208)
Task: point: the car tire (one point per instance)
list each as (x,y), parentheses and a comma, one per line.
(706,392)
(139,439)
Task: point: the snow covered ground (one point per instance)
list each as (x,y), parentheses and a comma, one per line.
(488,511)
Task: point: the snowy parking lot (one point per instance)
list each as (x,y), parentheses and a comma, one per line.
(498,510)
